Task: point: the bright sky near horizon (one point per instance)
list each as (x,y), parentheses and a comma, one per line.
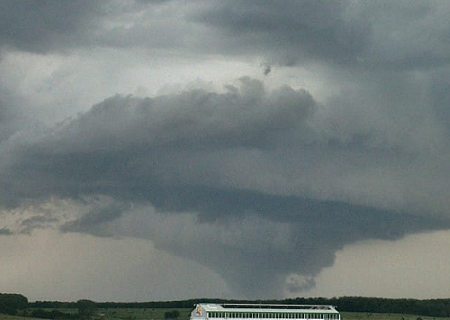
(162,150)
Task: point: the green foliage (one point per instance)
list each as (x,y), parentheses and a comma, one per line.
(384,316)
(11,303)
(433,307)
(174,314)
(86,308)
(53,314)
(9,317)
(52,304)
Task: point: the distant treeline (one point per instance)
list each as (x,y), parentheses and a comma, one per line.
(431,307)
(10,303)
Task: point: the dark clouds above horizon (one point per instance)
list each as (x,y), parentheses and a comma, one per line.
(257,176)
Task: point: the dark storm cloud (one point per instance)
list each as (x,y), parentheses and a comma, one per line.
(5,232)
(277,182)
(275,236)
(48,25)
(43,26)
(290,32)
(254,240)
(11,114)
(132,139)
(363,34)
(7,117)
(348,33)
(176,153)
(97,216)
(440,95)
(35,222)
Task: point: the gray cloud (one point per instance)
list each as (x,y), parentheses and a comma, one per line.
(7,118)
(297,284)
(176,154)
(61,26)
(343,33)
(98,215)
(133,139)
(5,232)
(291,32)
(249,182)
(258,242)
(12,115)
(46,25)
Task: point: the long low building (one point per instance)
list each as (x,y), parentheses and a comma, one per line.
(212,311)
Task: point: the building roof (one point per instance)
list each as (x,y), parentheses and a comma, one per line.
(210,307)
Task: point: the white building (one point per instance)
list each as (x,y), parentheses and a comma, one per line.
(212,311)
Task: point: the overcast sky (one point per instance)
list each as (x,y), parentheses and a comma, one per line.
(160,150)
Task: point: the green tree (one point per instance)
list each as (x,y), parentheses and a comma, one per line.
(10,303)
(174,314)
(86,308)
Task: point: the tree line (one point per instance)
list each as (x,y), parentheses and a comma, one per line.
(13,303)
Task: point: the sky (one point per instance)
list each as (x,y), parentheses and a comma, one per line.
(169,149)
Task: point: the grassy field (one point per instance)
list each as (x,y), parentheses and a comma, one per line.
(140,314)
(384,316)
(116,314)
(6,317)
(158,314)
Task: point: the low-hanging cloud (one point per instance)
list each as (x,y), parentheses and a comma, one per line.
(134,139)
(253,183)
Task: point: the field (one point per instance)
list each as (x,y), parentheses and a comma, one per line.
(384,316)
(139,314)
(116,314)
(158,314)
(6,317)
